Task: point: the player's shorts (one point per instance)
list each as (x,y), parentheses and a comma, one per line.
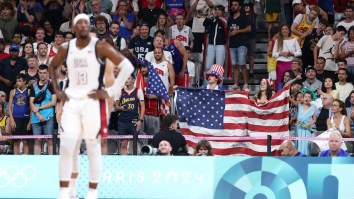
(81,118)
(272,17)
(21,126)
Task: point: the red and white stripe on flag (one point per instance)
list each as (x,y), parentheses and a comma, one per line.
(244,118)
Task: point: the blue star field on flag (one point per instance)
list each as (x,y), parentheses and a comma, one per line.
(155,85)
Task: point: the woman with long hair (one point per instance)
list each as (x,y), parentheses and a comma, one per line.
(347,51)
(265,92)
(203,148)
(329,87)
(285,49)
(288,75)
(27,50)
(161,24)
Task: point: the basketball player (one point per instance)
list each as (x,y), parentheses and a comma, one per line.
(85,111)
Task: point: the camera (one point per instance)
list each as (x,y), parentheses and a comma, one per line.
(149,150)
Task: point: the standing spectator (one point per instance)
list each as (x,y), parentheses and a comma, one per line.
(16,40)
(324,112)
(145,3)
(311,81)
(239,27)
(58,40)
(288,76)
(68,36)
(9,68)
(49,32)
(161,24)
(216,24)
(343,87)
(347,51)
(42,119)
(296,66)
(170,134)
(96,7)
(42,55)
(328,47)
(321,74)
(164,69)
(28,12)
(118,41)
(310,42)
(19,112)
(7,22)
(125,19)
(342,63)
(306,118)
(349,18)
(285,49)
(300,7)
(329,87)
(31,73)
(130,119)
(177,7)
(141,44)
(39,37)
(2,49)
(288,148)
(159,41)
(250,10)
(199,9)
(328,7)
(304,24)
(272,10)
(106,6)
(101,25)
(181,32)
(53,13)
(150,13)
(27,50)
(329,30)
(271,61)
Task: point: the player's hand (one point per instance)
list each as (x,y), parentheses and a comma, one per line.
(41,118)
(62,96)
(138,125)
(28,128)
(98,94)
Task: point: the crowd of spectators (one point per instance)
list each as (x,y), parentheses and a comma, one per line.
(189,43)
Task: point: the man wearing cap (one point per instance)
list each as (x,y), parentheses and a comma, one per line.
(214,77)
(2,49)
(84,115)
(311,81)
(142,44)
(10,67)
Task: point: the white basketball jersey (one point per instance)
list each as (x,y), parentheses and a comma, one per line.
(162,70)
(85,70)
(182,36)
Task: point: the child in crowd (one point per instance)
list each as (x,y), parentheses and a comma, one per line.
(271,61)
(306,117)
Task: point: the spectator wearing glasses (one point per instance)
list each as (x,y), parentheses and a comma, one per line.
(106,6)
(96,8)
(101,25)
(125,19)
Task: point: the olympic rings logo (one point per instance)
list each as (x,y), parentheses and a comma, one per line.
(15,176)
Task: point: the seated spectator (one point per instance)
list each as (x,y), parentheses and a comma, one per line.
(288,148)
(125,19)
(329,87)
(288,75)
(339,120)
(311,81)
(165,148)
(342,63)
(265,92)
(27,50)
(214,77)
(297,66)
(342,86)
(203,148)
(7,22)
(101,25)
(161,24)
(170,134)
(150,13)
(118,41)
(349,18)
(68,36)
(334,143)
(105,7)
(96,8)
(321,74)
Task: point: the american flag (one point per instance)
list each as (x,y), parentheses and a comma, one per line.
(213,113)
(156,87)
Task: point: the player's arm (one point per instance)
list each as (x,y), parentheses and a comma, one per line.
(11,99)
(171,73)
(183,52)
(142,110)
(8,130)
(125,68)
(54,64)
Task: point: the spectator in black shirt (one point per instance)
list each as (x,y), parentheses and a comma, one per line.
(150,13)
(170,134)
